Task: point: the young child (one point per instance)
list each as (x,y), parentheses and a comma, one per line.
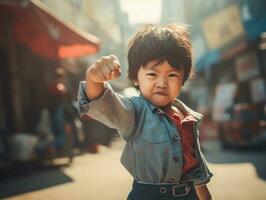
(162,150)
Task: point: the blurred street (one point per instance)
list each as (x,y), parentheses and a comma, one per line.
(47,46)
(238,176)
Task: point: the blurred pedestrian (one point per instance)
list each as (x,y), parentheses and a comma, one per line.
(44,147)
(162,151)
(61,115)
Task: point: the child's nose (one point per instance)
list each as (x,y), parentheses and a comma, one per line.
(162,83)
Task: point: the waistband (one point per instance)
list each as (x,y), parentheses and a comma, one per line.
(164,190)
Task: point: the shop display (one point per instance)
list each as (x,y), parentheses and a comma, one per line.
(223,99)
(246,66)
(258,90)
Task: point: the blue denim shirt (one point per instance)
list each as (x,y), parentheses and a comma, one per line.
(153,152)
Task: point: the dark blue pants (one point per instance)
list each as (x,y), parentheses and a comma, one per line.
(162,192)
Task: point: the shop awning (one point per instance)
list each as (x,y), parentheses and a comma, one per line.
(254,27)
(208,59)
(35,26)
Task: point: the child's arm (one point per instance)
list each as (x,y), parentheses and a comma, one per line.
(106,68)
(203,192)
(97,99)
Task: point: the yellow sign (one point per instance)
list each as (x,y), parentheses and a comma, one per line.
(223,27)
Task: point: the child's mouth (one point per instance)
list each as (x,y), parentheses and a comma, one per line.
(161,93)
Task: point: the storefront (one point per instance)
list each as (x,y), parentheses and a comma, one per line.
(31,33)
(234,71)
(33,42)
(239,98)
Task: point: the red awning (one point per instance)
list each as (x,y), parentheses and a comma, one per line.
(36,27)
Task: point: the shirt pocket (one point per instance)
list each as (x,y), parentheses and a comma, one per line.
(155,134)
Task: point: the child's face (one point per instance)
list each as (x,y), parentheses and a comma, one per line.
(159,83)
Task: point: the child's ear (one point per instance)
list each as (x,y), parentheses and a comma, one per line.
(135,82)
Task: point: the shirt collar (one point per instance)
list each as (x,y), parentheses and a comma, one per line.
(178,104)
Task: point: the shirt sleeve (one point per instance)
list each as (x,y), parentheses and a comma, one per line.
(207,174)
(112,109)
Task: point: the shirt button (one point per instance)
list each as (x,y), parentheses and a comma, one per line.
(175,157)
(175,138)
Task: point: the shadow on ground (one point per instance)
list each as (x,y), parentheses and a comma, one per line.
(215,154)
(22,178)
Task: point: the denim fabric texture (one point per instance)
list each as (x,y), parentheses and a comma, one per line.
(152,153)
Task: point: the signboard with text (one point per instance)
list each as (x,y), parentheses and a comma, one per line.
(222,28)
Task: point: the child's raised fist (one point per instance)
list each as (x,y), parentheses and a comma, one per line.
(106,68)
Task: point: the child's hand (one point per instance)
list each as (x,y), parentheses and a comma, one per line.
(106,68)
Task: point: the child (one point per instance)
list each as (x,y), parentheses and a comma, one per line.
(162,150)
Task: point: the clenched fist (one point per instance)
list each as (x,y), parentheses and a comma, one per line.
(106,68)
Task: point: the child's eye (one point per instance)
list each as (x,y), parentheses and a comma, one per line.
(151,74)
(173,75)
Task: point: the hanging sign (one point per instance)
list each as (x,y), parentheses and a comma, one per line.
(222,28)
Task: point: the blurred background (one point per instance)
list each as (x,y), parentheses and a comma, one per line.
(48,152)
